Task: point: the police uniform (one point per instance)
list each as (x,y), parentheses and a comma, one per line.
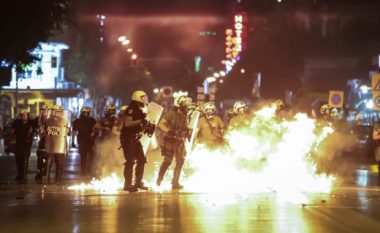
(84,126)
(210,130)
(41,157)
(24,138)
(174,144)
(132,148)
(107,122)
(56,131)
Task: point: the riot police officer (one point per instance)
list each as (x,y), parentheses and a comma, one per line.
(134,126)
(41,155)
(325,112)
(229,114)
(23,130)
(105,125)
(210,126)
(56,132)
(175,125)
(83,129)
(240,118)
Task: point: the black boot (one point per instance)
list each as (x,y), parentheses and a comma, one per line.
(46,177)
(25,171)
(139,175)
(130,188)
(128,170)
(161,173)
(176,176)
(141,185)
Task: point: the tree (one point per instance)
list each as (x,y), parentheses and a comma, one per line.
(23,24)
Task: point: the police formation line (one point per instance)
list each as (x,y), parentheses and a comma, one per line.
(132,124)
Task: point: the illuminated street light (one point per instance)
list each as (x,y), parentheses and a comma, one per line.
(210,79)
(222,73)
(242,71)
(122,38)
(125,42)
(129,50)
(216,75)
(156,90)
(134,56)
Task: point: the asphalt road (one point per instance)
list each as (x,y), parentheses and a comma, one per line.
(353,206)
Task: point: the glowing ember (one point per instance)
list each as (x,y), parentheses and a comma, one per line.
(108,185)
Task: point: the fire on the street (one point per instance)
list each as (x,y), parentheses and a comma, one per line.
(269,155)
(108,185)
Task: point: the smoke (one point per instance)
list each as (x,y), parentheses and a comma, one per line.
(336,155)
(108,157)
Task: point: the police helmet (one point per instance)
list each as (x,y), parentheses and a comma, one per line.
(85,111)
(123,108)
(334,113)
(279,103)
(110,109)
(56,107)
(181,101)
(325,109)
(23,111)
(240,107)
(209,108)
(140,96)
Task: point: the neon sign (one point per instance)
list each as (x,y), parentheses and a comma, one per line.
(235,40)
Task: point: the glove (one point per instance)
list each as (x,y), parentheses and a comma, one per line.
(149,129)
(144,123)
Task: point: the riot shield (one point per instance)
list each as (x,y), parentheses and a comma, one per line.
(194,117)
(56,131)
(153,116)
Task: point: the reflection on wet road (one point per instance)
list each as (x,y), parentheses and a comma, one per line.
(353,206)
(58,210)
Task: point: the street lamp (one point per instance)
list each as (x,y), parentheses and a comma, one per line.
(122,38)
(211,79)
(125,42)
(216,75)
